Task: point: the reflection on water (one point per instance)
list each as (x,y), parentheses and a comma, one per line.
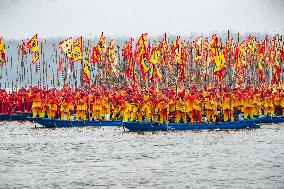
(112,158)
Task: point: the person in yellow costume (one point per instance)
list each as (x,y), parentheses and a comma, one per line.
(248,107)
(227,108)
(210,108)
(271,106)
(257,102)
(127,109)
(65,109)
(236,104)
(172,106)
(197,109)
(133,111)
(96,108)
(139,104)
(163,111)
(188,105)
(282,102)
(36,104)
(81,110)
(147,109)
(105,107)
(155,116)
(240,102)
(115,108)
(180,110)
(265,106)
(51,107)
(277,101)
(42,110)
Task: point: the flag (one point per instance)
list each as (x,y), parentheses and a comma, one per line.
(198,43)
(87,75)
(66,47)
(240,62)
(111,55)
(101,47)
(261,54)
(276,66)
(155,61)
(181,65)
(33,45)
(142,54)
(219,59)
(176,50)
(59,69)
(250,44)
(164,47)
(2,51)
(95,57)
(213,46)
(98,51)
(23,49)
(128,56)
(77,49)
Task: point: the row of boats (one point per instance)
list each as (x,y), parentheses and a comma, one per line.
(144,126)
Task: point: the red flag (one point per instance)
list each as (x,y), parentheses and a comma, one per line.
(95,57)
(23,49)
(60,64)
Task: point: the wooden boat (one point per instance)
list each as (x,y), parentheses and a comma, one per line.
(15,116)
(151,126)
(269,119)
(54,123)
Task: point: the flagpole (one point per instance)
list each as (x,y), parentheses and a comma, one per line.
(7,78)
(176,84)
(18,72)
(230,76)
(25,59)
(12,80)
(55,82)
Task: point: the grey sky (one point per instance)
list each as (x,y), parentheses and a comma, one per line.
(22,19)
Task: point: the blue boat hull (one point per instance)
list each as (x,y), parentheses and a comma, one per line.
(54,123)
(269,119)
(151,126)
(17,116)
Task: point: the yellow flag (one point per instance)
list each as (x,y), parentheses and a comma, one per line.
(111,51)
(33,45)
(251,44)
(219,61)
(66,47)
(2,44)
(177,50)
(77,49)
(2,51)
(87,75)
(155,59)
(112,55)
(101,45)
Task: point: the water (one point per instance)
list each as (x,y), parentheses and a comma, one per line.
(112,158)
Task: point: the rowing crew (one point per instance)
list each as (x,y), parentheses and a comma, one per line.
(168,105)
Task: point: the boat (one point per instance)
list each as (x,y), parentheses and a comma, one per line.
(15,116)
(153,126)
(269,119)
(56,123)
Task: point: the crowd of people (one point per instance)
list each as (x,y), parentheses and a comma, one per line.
(177,104)
(201,79)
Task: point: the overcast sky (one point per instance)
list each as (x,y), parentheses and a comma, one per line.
(52,18)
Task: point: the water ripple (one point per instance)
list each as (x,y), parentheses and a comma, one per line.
(112,158)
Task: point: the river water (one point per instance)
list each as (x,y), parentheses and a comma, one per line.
(110,157)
